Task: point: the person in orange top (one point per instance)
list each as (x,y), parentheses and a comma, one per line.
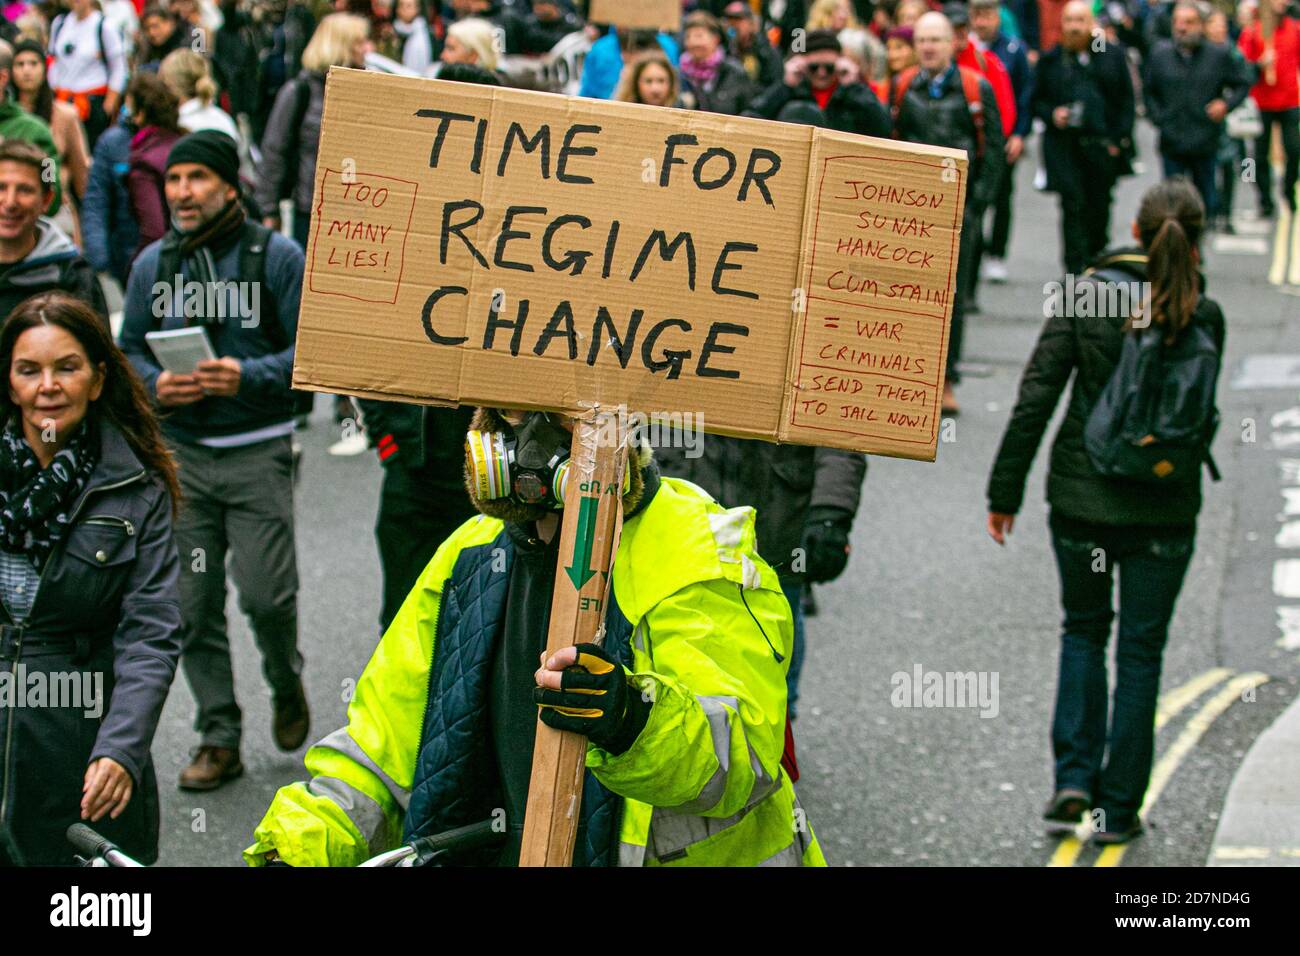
(1278,100)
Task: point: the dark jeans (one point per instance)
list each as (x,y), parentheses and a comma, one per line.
(1200,170)
(1002,206)
(1152,565)
(1085,220)
(301,227)
(97,121)
(1229,170)
(794,594)
(996,244)
(238,504)
(416,515)
(1288,120)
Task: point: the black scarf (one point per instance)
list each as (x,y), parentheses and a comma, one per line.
(216,233)
(205,245)
(36,502)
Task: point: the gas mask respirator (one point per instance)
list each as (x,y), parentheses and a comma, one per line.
(528,463)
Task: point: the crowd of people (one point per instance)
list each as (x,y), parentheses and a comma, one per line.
(143,142)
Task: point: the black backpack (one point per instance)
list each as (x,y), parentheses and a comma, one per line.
(1156,417)
(252,268)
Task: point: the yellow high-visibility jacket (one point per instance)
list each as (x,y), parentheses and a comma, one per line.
(702,784)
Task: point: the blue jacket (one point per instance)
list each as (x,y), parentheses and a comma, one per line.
(1014,57)
(108,229)
(264,397)
(604,65)
(1025,13)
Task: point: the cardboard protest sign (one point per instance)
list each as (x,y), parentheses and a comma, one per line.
(477,245)
(637,14)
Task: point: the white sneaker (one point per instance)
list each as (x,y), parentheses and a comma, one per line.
(995,270)
(354,444)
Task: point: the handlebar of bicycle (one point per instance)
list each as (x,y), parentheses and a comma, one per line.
(425,850)
(92,846)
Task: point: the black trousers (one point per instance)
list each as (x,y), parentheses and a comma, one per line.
(1288,120)
(972,222)
(996,244)
(418,510)
(1085,218)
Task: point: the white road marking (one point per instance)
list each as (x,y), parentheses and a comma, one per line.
(1288,622)
(1286,578)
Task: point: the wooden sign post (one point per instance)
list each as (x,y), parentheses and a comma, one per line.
(593,515)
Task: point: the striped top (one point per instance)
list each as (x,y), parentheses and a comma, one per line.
(18,583)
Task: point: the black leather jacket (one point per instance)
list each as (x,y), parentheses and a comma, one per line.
(1087,349)
(947,121)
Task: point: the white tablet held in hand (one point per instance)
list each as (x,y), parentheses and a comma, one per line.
(179,351)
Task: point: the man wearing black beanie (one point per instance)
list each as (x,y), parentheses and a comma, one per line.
(229,421)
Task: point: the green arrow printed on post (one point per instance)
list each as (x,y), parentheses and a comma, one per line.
(580,571)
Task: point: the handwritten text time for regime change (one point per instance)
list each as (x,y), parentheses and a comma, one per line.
(589,251)
(883,260)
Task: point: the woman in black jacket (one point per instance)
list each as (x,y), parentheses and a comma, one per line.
(711,81)
(89,597)
(1098,522)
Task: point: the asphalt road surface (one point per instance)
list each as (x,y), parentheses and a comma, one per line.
(926,588)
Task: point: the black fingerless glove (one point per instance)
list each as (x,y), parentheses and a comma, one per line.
(595,700)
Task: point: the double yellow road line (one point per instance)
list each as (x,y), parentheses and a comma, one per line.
(1170,706)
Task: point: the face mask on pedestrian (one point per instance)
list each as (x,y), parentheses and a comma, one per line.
(517,464)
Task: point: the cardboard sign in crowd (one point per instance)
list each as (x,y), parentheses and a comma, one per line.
(478,245)
(638,14)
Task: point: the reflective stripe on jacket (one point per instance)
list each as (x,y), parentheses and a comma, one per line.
(702,784)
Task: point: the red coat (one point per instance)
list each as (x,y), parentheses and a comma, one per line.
(1285,93)
(998,77)
(1049,23)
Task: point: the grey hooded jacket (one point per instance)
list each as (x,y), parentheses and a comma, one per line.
(53,265)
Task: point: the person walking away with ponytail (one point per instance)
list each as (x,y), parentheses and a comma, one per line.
(1100,521)
(155,113)
(188,75)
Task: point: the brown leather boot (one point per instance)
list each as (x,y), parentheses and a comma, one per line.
(950,406)
(211,767)
(291,721)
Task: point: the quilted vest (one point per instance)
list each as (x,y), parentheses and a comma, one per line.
(455,772)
